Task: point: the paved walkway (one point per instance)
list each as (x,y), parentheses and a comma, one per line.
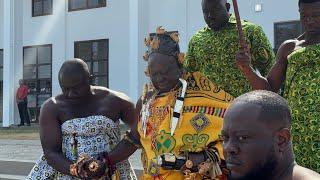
(18,156)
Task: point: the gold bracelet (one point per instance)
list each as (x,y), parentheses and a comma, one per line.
(73,169)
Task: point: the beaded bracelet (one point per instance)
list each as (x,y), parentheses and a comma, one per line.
(73,170)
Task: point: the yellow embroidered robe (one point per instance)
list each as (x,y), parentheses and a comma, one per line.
(200,124)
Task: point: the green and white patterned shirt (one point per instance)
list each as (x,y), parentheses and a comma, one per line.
(302,90)
(213,53)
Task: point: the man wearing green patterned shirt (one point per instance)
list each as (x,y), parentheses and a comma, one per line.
(213,49)
(298,67)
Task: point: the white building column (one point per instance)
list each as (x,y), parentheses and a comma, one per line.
(8,64)
(134,49)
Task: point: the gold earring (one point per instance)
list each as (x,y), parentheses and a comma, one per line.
(155,43)
(175,37)
(146,56)
(147,72)
(147,41)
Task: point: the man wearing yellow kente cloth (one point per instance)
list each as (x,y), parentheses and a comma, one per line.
(181,116)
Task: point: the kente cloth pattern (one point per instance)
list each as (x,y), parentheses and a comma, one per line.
(302,90)
(213,54)
(94,134)
(200,124)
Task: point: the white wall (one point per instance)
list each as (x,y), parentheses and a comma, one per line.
(111,22)
(272,11)
(18,51)
(195,17)
(47,30)
(171,15)
(186,15)
(63,28)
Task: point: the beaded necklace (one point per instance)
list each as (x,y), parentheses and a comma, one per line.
(145,111)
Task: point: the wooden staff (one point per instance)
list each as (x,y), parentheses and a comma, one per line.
(242,41)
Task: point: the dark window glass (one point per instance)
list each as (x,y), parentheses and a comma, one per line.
(93,3)
(95,53)
(100,68)
(84,51)
(30,72)
(45,86)
(44,71)
(37,62)
(37,7)
(89,65)
(30,56)
(78,4)
(100,80)
(102,50)
(44,55)
(47,7)
(1,57)
(1,74)
(85,4)
(286,30)
(41,7)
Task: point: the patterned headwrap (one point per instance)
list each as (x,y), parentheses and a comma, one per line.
(163,42)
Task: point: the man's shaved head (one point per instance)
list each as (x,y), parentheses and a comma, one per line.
(273,107)
(74,78)
(74,69)
(256,130)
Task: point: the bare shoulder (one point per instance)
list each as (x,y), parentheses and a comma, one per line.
(49,111)
(301,173)
(50,104)
(111,94)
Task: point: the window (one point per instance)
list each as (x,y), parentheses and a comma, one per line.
(95,54)
(1,65)
(286,30)
(1,82)
(75,5)
(41,7)
(37,72)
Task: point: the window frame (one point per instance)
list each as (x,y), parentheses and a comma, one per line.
(97,60)
(37,80)
(1,66)
(87,6)
(1,82)
(42,14)
(275,29)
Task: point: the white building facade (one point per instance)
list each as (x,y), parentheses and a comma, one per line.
(37,36)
